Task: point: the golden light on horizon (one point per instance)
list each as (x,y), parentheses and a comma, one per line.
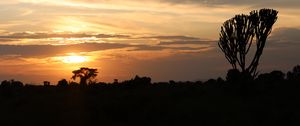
(74,59)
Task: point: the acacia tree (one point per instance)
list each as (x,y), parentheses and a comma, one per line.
(239,33)
(85,75)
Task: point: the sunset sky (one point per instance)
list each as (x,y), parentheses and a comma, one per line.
(164,39)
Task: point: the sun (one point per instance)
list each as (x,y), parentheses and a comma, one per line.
(74,59)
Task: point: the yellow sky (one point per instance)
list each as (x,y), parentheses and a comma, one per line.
(163,17)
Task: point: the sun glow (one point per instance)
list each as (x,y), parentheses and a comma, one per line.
(74,59)
(70,24)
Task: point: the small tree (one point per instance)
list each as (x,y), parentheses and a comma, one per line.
(62,83)
(238,33)
(85,74)
(46,83)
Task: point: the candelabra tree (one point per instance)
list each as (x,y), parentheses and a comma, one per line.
(240,33)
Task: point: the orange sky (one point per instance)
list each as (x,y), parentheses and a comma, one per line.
(164,39)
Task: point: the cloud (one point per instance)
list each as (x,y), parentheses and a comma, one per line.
(265,3)
(31,35)
(7,39)
(180,40)
(190,1)
(43,36)
(53,50)
(282,49)
(187,42)
(35,43)
(286,36)
(179,37)
(181,17)
(112,36)
(157,48)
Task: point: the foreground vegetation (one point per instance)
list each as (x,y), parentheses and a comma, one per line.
(271,99)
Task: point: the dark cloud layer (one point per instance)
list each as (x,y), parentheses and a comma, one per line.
(283,36)
(53,50)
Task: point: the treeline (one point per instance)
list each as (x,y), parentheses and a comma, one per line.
(233,77)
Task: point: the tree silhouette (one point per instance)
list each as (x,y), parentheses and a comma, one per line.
(238,33)
(233,75)
(62,83)
(294,74)
(85,74)
(274,76)
(46,83)
(11,83)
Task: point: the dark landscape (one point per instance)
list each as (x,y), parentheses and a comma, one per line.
(271,99)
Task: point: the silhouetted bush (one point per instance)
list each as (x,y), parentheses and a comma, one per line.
(270,80)
(11,84)
(294,75)
(17,84)
(142,80)
(277,75)
(172,82)
(5,83)
(233,75)
(62,83)
(74,84)
(116,81)
(271,77)
(138,82)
